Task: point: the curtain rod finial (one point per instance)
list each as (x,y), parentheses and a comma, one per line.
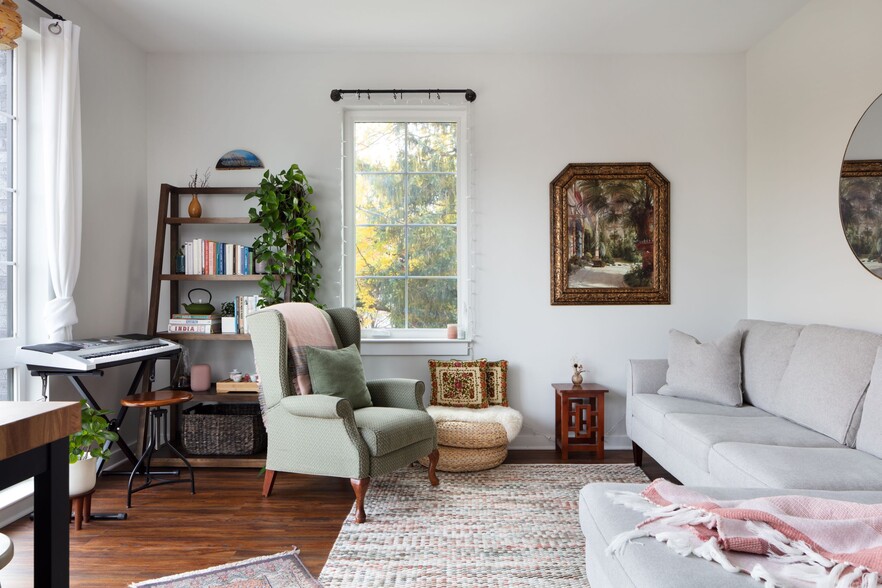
(470,95)
(336,96)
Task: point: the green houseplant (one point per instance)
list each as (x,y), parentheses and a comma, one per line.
(86,445)
(290,237)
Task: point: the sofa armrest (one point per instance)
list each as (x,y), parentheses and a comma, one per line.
(318,406)
(646,376)
(397,393)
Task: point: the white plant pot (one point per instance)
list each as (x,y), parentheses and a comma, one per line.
(228,325)
(83,476)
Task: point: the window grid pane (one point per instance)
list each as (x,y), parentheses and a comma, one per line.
(406,181)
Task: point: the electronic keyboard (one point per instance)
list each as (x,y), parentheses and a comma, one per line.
(94,354)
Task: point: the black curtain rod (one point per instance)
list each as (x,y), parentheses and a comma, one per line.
(337,95)
(54,15)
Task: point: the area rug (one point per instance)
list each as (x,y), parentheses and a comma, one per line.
(513,526)
(281,570)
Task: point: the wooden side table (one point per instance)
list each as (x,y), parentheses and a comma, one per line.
(578,416)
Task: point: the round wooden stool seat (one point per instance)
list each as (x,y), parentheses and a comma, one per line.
(156,398)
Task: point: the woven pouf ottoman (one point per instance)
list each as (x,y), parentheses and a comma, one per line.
(469,447)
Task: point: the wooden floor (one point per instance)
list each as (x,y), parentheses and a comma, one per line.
(169,531)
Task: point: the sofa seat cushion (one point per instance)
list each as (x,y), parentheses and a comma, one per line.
(806,468)
(651,409)
(388,429)
(693,435)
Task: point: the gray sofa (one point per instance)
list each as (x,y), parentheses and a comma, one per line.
(810,423)
(800,426)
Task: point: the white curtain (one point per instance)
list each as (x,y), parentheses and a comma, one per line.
(62,160)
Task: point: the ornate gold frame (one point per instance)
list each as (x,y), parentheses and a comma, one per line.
(659,292)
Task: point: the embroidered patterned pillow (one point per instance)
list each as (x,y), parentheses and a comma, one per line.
(459,383)
(497,383)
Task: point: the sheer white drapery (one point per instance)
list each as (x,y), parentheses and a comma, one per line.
(62,160)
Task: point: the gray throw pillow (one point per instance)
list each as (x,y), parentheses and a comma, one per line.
(704,371)
(338,372)
(869,433)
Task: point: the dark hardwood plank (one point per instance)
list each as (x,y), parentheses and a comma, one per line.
(170,531)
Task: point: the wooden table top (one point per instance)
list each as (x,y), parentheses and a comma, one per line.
(586,387)
(26,425)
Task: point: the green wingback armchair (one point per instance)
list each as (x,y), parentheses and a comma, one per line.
(322,435)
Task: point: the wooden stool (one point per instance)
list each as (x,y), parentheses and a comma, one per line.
(155,403)
(81,504)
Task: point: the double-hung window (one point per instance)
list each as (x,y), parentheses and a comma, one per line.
(11,223)
(405,217)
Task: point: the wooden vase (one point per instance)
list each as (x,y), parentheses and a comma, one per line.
(195,208)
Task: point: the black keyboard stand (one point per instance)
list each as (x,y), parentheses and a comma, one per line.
(114,424)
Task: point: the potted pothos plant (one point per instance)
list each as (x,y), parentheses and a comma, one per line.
(290,237)
(86,445)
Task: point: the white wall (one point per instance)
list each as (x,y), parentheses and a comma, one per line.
(808,84)
(111,290)
(533,115)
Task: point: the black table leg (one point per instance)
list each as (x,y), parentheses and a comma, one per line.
(51,519)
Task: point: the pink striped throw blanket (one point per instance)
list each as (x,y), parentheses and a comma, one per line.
(306,326)
(779,540)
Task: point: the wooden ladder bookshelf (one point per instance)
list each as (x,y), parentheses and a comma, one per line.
(168,224)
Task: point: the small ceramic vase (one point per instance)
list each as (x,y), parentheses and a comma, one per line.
(195,208)
(577,379)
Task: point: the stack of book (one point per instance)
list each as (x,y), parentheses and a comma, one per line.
(245,305)
(210,258)
(204,324)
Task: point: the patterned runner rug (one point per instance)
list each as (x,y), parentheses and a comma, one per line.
(513,526)
(282,570)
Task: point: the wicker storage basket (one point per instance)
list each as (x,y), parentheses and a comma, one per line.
(223,429)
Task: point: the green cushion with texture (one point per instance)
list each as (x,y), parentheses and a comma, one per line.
(338,372)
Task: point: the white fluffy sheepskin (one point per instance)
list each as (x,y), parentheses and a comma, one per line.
(510,419)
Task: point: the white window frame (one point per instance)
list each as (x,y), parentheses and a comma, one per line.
(406,114)
(19,220)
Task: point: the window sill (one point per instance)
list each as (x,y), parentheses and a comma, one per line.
(390,346)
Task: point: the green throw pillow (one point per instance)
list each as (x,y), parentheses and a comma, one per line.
(338,372)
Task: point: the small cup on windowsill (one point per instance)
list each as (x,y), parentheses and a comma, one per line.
(452,331)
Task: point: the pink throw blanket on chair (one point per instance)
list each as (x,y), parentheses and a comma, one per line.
(780,540)
(306,326)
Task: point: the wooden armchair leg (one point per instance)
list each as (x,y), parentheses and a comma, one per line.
(433,463)
(268,480)
(360,486)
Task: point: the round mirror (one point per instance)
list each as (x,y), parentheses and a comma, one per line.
(860,190)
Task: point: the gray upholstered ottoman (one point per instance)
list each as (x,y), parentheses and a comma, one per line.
(647,563)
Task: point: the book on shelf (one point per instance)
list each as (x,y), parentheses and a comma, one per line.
(175,321)
(187,315)
(211,258)
(244,306)
(199,329)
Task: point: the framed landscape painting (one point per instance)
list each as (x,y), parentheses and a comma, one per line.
(610,234)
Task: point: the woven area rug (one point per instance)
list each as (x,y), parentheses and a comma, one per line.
(281,570)
(513,526)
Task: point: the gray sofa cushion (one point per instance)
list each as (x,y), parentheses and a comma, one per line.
(869,435)
(826,378)
(765,353)
(694,435)
(813,468)
(704,371)
(651,409)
